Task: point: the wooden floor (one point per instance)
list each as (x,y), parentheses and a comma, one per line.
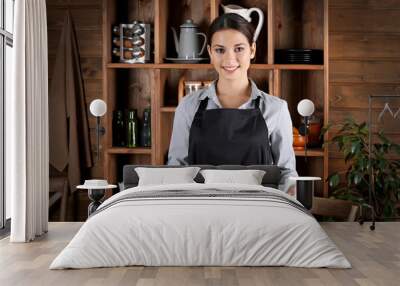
(375,257)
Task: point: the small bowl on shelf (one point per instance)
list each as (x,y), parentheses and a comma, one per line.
(299,142)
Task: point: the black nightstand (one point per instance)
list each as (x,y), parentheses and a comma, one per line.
(96,191)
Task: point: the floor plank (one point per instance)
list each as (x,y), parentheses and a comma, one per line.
(375,257)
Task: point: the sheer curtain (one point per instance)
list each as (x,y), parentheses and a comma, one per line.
(27,155)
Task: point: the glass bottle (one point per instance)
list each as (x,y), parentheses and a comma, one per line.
(119,129)
(145,130)
(132,129)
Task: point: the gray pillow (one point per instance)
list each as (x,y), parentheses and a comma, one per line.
(163,176)
(248,177)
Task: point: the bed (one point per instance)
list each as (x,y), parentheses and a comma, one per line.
(198,224)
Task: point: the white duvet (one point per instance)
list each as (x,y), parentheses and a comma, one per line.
(182,231)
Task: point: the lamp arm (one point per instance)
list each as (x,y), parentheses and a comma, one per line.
(305,132)
(98,137)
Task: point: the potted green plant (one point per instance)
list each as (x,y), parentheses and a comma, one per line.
(352,140)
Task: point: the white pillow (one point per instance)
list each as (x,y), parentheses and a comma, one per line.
(248,177)
(163,176)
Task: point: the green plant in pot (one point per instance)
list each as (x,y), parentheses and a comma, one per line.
(352,140)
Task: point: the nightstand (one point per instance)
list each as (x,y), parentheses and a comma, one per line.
(304,189)
(96,192)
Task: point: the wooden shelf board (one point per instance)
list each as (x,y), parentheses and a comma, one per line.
(299,67)
(124,150)
(158,66)
(209,66)
(168,109)
(311,152)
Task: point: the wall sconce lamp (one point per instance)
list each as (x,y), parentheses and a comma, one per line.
(305,108)
(98,108)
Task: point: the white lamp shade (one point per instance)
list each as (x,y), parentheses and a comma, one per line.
(98,107)
(305,107)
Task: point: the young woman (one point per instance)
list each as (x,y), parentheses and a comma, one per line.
(232,121)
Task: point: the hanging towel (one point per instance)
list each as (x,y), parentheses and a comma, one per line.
(68,123)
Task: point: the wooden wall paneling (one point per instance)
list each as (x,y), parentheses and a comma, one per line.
(364,4)
(287,31)
(69,3)
(89,42)
(292,91)
(314,87)
(312,24)
(365,71)
(141,10)
(298,24)
(83,20)
(361,115)
(139,90)
(363,46)
(298,85)
(262,79)
(91,68)
(172,76)
(136,159)
(353,96)
(365,20)
(201,74)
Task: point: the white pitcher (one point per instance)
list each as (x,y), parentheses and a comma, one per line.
(245,13)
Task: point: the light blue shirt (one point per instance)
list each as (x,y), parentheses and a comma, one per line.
(274,110)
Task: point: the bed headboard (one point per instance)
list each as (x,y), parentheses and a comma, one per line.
(270,179)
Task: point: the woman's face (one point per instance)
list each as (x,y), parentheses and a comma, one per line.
(230,53)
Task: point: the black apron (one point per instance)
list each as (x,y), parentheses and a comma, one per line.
(229,136)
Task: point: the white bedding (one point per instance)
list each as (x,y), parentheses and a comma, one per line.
(183,231)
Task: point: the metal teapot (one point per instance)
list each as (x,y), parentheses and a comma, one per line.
(245,13)
(187,47)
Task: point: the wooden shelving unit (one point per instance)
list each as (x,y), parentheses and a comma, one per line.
(315,152)
(287,24)
(122,150)
(209,66)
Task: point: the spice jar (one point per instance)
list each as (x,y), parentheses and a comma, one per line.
(127,42)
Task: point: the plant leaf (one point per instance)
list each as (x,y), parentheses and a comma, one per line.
(334,180)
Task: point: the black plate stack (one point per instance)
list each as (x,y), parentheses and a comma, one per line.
(299,56)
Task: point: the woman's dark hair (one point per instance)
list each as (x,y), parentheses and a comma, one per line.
(231,21)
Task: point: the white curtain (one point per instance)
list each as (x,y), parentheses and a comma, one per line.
(27,155)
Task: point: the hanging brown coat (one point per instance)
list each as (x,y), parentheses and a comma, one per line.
(68,123)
